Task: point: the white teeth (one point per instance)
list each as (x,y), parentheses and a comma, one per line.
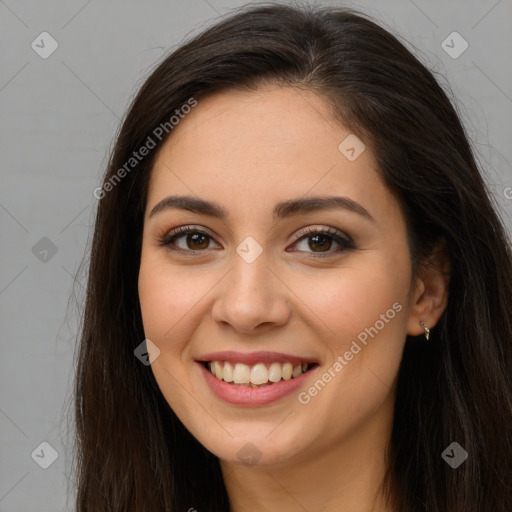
(228,372)
(274,372)
(242,374)
(297,371)
(287,371)
(257,375)
(218,369)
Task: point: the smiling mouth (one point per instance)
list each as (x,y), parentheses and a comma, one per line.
(258,375)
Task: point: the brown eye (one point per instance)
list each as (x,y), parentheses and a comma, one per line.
(321,241)
(194,239)
(317,241)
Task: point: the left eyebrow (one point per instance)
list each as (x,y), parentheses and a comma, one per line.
(313,204)
(281,210)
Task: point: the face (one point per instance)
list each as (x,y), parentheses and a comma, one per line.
(303,308)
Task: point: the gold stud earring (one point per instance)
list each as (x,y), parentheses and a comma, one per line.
(427,330)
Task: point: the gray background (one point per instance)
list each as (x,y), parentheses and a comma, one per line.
(59,117)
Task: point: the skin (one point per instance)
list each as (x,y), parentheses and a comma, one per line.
(246,152)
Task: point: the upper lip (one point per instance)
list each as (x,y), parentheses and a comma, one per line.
(252,358)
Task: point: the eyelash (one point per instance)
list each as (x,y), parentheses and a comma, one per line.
(345,242)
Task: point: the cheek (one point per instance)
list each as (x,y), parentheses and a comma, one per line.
(169,297)
(166,316)
(355,299)
(365,308)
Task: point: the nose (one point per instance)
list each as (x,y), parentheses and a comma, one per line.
(252,299)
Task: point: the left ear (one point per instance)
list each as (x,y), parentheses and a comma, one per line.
(430,295)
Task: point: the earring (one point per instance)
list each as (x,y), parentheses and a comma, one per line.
(427,330)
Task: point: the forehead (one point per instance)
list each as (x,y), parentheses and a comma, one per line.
(254,149)
(271,125)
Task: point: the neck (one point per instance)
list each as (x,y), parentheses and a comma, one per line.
(346,477)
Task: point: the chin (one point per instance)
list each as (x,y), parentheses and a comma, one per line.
(250,445)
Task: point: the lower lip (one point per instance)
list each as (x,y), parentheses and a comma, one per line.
(248,396)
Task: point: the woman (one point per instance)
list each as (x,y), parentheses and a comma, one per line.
(299,288)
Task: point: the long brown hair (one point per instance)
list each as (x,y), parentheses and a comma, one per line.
(132,452)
